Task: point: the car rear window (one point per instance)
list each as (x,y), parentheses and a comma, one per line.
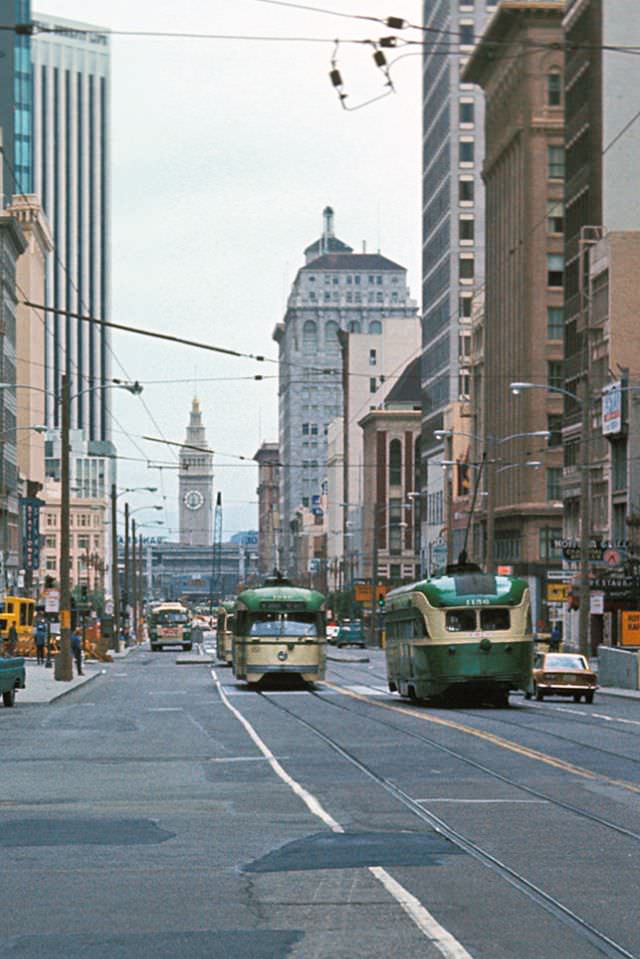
(562,661)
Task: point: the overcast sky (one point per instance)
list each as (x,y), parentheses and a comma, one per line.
(224,154)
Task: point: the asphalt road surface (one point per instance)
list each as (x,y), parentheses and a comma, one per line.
(166,811)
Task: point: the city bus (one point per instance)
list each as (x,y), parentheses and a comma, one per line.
(169,624)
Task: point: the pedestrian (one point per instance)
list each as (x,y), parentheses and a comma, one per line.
(41,639)
(76,648)
(556,637)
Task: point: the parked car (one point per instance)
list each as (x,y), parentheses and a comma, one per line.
(562,674)
(332,632)
(350,633)
(12,677)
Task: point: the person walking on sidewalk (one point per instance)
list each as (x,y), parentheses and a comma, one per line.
(76,648)
(41,640)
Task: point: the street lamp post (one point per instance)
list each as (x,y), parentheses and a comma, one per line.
(584,611)
(63,669)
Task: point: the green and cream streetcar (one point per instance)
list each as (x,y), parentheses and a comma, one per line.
(462,632)
(279,629)
(224,631)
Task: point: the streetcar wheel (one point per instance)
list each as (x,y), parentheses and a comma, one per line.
(9,698)
(577,697)
(392,687)
(411,693)
(501,698)
(588,698)
(538,693)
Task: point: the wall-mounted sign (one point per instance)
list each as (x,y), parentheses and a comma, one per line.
(630,632)
(30,531)
(596,603)
(612,409)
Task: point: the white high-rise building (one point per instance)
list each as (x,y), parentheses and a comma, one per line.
(336,291)
(71,174)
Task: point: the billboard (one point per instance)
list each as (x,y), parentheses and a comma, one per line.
(612,409)
(30,531)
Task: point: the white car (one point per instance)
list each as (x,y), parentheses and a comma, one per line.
(332,632)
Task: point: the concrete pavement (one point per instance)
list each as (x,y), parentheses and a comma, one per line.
(42,687)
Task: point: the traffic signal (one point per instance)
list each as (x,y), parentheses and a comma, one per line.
(84,592)
(380,602)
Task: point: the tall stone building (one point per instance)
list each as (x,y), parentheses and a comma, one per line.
(268,460)
(196,484)
(523,297)
(337,291)
(452,228)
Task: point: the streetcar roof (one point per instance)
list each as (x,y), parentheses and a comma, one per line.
(466,589)
(255,599)
(228,605)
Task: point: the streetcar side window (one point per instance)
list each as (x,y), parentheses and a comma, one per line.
(460,621)
(494,619)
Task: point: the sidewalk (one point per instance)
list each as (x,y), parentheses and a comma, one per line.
(42,687)
(622,693)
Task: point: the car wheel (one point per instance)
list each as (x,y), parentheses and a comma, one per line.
(9,698)
(538,693)
(527,694)
(577,697)
(588,697)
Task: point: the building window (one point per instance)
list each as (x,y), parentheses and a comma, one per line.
(554,483)
(554,89)
(467,111)
(466,151)
(467,228)
(50,542)
(467,37)
(373,384)
(354,326)
(331,337)
(555,322)
(555,216)
(375,327)
(465,307)
(51,563)
(619,457)
(464,345)
(395,463)
(372,358)
(555,270)
(464,382)
(83,542)
(305,429)
(555,373)
(555,162)
(550,538)
(554,425)
(466,191)
(309,336)
(467,268)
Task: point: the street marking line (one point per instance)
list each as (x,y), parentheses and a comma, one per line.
(445,943)
(490,738)
(580,712)
(164,709)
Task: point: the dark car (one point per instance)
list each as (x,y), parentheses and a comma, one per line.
(350,633)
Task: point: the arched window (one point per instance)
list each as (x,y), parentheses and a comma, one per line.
(354,326)
(331,336)
(309,335)
(554,88)
(375,327)
(395,463)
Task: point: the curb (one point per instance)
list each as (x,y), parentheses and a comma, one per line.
(66,692)
(619,693)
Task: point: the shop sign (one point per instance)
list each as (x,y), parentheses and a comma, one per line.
(630,631)
(612,409)
(30,531)
(618,586)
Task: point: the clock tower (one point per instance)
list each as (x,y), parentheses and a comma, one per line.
(196,484)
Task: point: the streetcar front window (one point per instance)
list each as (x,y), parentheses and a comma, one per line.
(461,621)
(494,619)
(280,624)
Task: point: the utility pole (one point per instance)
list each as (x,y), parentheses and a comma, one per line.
(374,578)
(134,581)
(125,591)
(343,338)
(141,589)
(115,584)
(490,462)
(63,669)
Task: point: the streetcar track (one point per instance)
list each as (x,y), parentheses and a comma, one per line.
(593,817)
(547,901)
(551,735)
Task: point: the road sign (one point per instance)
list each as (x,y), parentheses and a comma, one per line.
(363,592)
(558,592)
(596,603)
(52,601)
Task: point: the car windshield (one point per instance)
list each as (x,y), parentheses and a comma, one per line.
(564,661)
(279,624)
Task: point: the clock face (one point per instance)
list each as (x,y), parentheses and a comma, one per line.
(193,499)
